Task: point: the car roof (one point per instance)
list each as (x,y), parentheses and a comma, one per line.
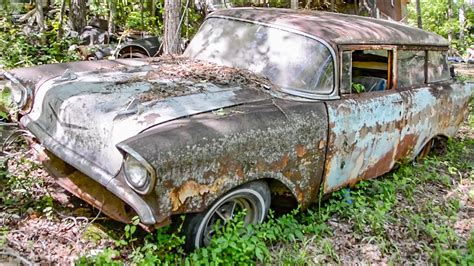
(335,28)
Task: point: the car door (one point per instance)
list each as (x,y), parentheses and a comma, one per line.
(364,127)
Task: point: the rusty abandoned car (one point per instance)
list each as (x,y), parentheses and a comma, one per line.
(264,104)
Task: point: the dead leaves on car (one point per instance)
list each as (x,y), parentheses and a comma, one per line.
(179,76)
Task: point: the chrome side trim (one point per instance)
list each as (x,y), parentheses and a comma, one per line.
(93,171)
(147,166)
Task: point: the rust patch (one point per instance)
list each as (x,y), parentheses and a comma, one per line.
(282,163)
(300,151)
(382,166)
(405,146)
(322,144)
(188,190)
(87,189)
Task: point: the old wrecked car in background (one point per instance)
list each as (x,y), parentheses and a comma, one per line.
(267,104)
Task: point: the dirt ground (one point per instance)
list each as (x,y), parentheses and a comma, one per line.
(466,70)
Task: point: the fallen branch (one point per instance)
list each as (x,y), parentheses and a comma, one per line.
(10,253)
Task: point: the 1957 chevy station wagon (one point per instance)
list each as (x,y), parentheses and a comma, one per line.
(265,104)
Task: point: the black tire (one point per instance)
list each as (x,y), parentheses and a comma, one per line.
(255,197)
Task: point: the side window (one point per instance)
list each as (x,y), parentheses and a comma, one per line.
(365,71)
(438,68)
(411,68)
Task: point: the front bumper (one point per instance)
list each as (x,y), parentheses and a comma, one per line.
(106,180)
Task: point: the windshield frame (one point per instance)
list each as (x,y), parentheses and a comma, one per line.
(332,94)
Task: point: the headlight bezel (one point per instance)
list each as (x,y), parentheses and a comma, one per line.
(151,174)
(20,95)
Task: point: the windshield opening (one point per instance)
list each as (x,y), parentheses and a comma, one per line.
(289,60)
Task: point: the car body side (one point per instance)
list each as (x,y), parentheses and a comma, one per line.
(298,142)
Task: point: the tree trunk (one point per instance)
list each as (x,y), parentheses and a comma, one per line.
(61,19)
(77,14)
(112,14)
(153,8)
(374,8)
(462,22)
(294,4)
(142,10)
(418,14)
(172,38)
(450,16)
(40,15)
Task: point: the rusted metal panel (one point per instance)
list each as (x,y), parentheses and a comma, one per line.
(364,130)
(337,28)
(92,192)
(369,132)
(122,104)
(87,189)
(199,158)
(431,111)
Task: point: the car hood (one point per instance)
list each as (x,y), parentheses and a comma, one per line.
(92,112)
(34,77)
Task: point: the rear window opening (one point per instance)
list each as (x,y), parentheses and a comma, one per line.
(365,71)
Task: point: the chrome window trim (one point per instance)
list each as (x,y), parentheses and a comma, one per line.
(147,166)
(301,93)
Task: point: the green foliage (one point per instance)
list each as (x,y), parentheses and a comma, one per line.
(18,49)
(358,88)
(107,257)
(5,104)
(435,19)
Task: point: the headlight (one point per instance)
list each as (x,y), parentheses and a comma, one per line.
(136,173)
(139,174)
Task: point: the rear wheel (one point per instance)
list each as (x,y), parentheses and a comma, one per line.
(425,151)
(253,197)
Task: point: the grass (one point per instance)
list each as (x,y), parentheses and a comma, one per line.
(413,214)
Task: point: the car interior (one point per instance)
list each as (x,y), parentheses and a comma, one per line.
(370,68)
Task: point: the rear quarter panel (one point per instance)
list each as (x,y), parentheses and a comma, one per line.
(434,110)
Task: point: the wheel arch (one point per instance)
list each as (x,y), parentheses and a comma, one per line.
(133,48)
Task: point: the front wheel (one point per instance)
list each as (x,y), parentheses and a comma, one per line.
(253,197)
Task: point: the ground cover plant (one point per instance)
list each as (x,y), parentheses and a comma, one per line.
(421,212)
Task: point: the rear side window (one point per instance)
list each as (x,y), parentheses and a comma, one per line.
(411,68)
(438,69)
(365,71)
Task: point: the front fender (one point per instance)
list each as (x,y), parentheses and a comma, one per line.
(199,158)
